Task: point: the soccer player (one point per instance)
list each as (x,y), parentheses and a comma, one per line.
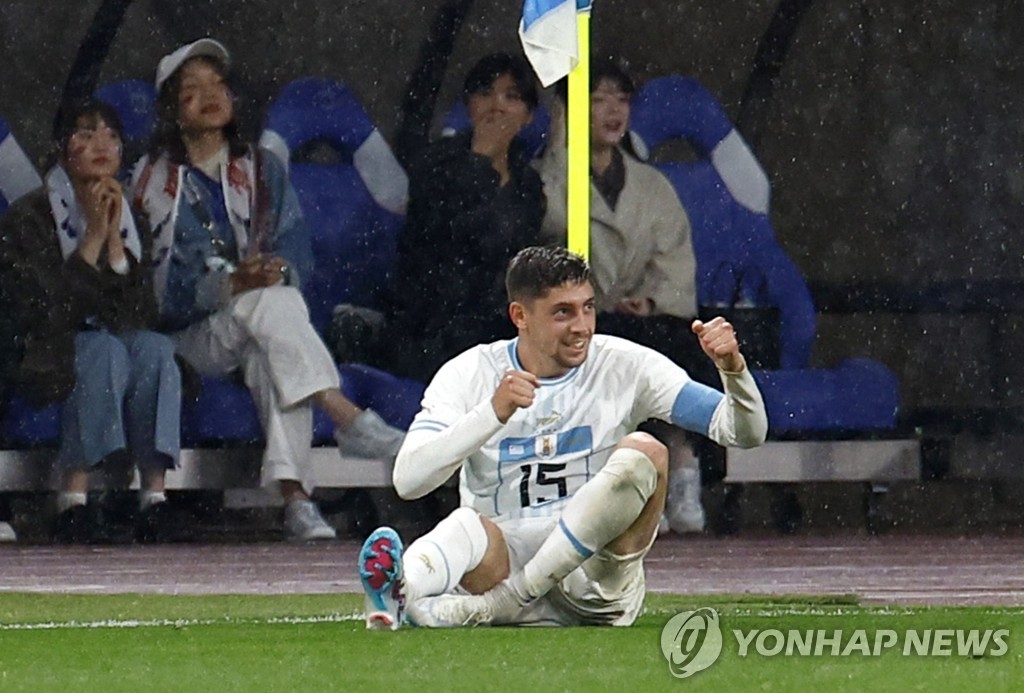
(561,497)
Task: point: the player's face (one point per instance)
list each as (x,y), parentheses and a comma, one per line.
(204,99)
(555,331)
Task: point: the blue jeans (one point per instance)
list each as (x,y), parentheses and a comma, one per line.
(127,396)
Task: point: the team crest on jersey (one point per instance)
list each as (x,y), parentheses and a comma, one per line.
(547,445)
(555,417)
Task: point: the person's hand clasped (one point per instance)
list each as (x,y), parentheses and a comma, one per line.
(102,205)
(101,202)
(258,272)
(514,392)
(718,340)
(640,307)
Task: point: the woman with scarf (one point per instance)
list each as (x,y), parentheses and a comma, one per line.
(231,248)
(77,271)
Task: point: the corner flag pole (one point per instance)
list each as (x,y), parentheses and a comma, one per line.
(578,142)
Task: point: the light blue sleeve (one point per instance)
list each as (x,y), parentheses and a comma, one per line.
(668,393)
(694,406)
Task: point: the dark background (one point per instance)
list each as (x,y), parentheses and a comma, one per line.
(892,136)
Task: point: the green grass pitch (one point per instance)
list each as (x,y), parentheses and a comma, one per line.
(318,643)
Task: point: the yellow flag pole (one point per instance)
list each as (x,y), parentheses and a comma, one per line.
(578,143)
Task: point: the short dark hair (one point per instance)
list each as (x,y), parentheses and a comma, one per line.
(482,75)
(536,270)
(90,108)
(601,69)
(167,135)
(608,69)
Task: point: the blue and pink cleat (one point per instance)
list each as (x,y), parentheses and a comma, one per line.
(380,570)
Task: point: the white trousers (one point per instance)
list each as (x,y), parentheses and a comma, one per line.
(267,333)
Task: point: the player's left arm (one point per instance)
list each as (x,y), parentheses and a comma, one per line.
(739,419)
(736,418)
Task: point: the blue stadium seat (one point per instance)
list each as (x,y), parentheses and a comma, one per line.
(17,174)
(726,194)
(225,412)
(135,102)
(25,426)
(354,202)
(22,424)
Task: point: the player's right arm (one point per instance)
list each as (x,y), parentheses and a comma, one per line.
(459,414)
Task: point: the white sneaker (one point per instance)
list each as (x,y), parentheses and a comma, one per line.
(380,570)
(683,507)
(369,436)
(497,606)
(7,534)
(449,611)
(303,522)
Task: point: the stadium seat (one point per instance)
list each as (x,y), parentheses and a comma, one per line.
(17,174)
(21,423)
(838,423)
(135,102)
(351,188)
(726,194)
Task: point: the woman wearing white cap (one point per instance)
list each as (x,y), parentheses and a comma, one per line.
(231,248)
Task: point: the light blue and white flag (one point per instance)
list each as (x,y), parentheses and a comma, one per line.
(548,33)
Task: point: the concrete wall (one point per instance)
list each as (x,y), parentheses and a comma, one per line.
(892,139)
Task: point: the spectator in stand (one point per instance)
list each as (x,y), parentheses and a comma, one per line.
(644,268)
(231,249)
(474,202)
(78,272)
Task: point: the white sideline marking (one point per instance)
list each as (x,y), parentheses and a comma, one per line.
(180,622)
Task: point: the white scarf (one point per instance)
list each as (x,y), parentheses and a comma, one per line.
(157,193)
(69,217)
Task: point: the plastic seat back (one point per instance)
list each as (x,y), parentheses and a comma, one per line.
(17,174)
(726,195)
(135,102)
(352,190)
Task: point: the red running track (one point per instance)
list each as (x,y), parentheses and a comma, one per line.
(892,569)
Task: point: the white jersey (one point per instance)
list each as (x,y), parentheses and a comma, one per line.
(532,464)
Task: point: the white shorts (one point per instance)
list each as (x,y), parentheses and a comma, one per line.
(607,590)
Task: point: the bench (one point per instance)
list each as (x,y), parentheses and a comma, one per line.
(31,470)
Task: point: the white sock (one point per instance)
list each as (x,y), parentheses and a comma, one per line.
(601,510)
(69,499)
(436,562)
(148,499)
